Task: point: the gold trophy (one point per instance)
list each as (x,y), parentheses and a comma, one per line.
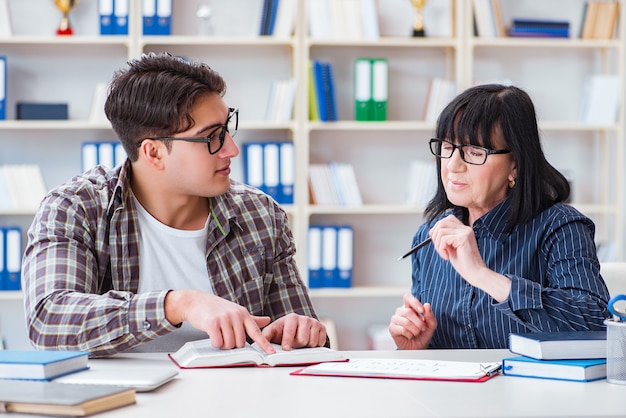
(65,6)
(418,24)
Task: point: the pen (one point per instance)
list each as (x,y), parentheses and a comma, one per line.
(417,247)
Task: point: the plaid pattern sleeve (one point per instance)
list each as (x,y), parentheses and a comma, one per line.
(66,265)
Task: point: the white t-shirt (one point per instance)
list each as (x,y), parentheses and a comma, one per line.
(171,259)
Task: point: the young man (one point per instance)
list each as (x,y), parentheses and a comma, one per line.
(166,248)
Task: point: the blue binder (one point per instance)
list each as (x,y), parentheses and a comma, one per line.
(120,12)
(314,249)
(149,17)
(345,255)
(105,13)
(13,257)
(329,256)
(164,17)
(3,87)
(287,172)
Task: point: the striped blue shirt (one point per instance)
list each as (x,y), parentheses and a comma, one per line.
(554,271)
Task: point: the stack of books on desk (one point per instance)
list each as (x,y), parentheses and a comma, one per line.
(575,355)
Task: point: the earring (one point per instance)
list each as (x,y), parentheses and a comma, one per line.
(511,184)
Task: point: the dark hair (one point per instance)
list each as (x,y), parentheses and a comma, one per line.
(154,95)
(473,117)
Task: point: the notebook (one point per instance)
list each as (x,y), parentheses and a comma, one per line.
(142,379)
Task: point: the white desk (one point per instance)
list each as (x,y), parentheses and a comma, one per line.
(272,392)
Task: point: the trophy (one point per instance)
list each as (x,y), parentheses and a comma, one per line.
(65,6)
(418,24)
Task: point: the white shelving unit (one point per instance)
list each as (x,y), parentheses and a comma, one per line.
(43,67)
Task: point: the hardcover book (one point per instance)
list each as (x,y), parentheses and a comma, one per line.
(51,398)
(583,370)
(40,364)
(202,354)
(559,345)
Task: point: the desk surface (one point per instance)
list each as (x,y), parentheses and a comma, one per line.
(272,392)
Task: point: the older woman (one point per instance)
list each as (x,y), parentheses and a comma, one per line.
(507,255)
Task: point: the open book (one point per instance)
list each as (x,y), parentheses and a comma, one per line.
(396,368)
(199,354)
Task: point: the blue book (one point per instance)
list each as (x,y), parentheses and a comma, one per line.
(3,87)
(559,345)
(584,370)
(40,364)
(320,91)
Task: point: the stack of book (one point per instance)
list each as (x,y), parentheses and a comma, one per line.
(539,28)
(334,184)
(570,355)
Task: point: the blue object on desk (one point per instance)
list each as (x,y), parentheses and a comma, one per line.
(614,310)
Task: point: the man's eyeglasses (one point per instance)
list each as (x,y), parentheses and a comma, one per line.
(471,154)
(214,142)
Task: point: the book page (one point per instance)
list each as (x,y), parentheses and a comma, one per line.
(299,356)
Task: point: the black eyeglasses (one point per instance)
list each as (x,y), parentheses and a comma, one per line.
(213,143)
(471,154)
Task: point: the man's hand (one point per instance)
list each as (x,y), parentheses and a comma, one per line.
(296,331)
(225,322)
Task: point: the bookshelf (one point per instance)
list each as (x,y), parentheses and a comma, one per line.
(381,152)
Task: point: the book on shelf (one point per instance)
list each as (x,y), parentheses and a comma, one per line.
(334,184)
(412,369)
(6,26)
(285,19)
(484,19)
(40,364)
(421,183)
(331,256)
(10,258)
(342,20)
(21,187)
(202,354)
(3,87)
(281,100)
(64,399)
(599,19)
(440,93)
(371,89)
(268,17)
(324,84)
(579,370)
(539,28)
(559,345)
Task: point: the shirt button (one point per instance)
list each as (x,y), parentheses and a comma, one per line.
(146,325)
